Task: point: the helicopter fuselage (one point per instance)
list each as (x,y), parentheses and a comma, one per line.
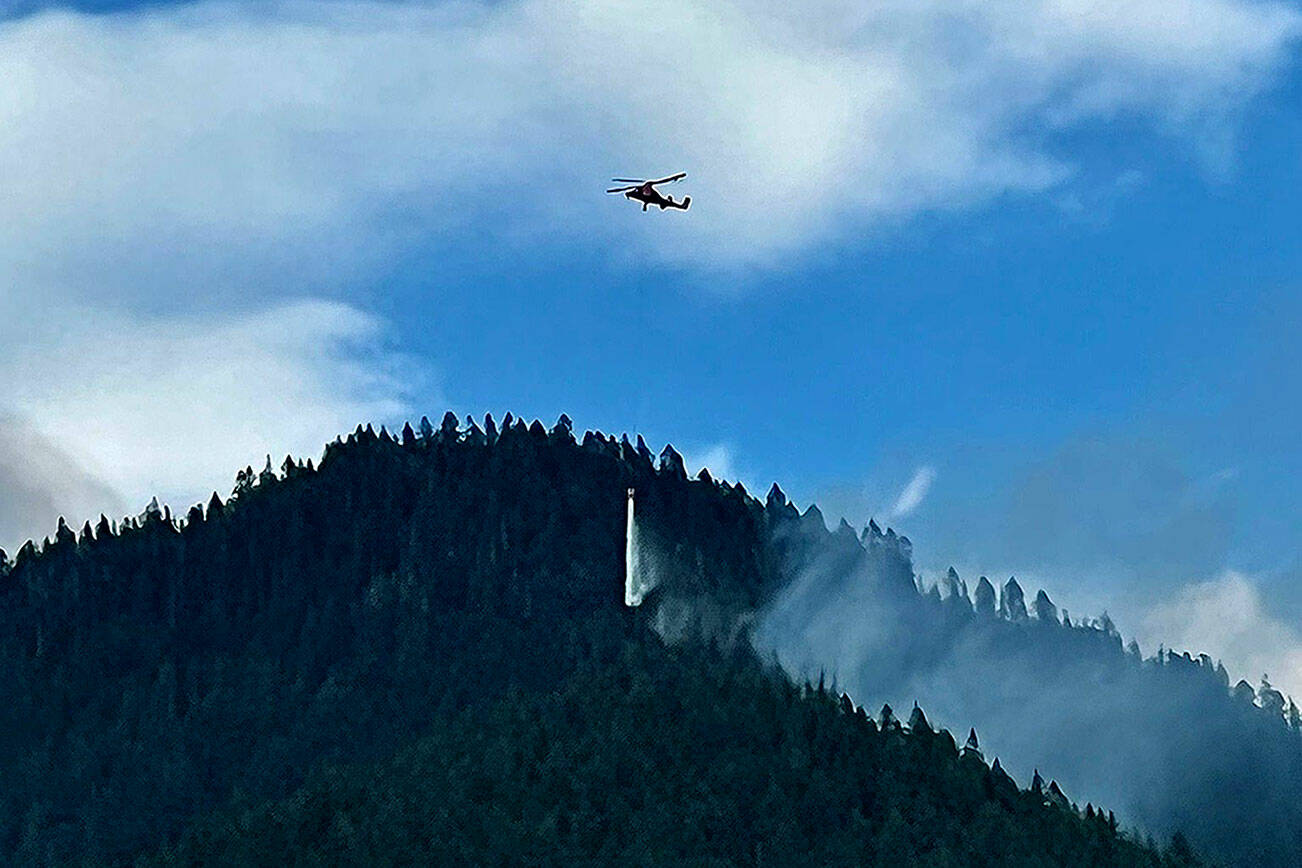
(648,195)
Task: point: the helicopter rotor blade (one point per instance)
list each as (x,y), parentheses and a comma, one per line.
(677,177)
(629,180)
(623,189)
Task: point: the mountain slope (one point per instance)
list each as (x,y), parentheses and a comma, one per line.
(430,586)
(1165,741)
(658,756)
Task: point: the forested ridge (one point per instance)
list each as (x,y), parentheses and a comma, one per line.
(417,650)
(1164,739)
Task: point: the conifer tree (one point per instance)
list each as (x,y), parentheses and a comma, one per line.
(1012,603)
(1272,701)
(449,429)
(984,597)
(1045,611)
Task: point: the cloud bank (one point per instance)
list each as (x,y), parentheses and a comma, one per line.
(242,138)
(114,408)
(1227,618)
(39,482)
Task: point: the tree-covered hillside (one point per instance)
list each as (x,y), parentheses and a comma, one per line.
(1164,740)
(649,755)
(419,647)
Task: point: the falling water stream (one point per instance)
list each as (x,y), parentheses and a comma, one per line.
(633,590)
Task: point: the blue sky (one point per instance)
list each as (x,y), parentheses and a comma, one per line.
(1035,264)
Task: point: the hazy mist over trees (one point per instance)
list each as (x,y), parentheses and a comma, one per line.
(1165,740)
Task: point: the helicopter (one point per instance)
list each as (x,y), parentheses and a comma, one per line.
(646,192)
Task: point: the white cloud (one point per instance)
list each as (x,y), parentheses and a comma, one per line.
(241,138)
(717,458)
(174,405)
(721,460)
(1226,618)
(39,482)
(912,494)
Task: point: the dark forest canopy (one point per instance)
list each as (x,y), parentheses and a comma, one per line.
(651,755)
(317,652)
